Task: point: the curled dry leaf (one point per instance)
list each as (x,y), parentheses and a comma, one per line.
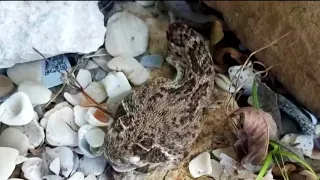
(254,134)
(216,32)
(234,54)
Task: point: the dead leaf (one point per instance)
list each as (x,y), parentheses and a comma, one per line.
(288,168)
(216,32)
(254,139)
(234,54)
(303,175)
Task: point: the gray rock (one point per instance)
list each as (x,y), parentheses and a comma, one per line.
(53,27)
(294,112)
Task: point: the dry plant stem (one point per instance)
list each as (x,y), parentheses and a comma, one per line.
(245,64)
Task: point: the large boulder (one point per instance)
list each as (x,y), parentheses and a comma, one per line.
(52,27)
(259,23)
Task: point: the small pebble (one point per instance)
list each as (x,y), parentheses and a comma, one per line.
(152,61)
(200,165)
(37,93)
(6,86)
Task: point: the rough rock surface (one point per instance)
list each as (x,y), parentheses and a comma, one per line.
(52,27)
(259,23)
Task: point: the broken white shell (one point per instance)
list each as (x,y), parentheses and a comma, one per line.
(64,154)
(83,144)
(145,3)
(118,87)
(90,177)
(17,110)
(20,159)
(37,93)
(56,108)
(13,138)
(95,137)
(200,165)
(91,118)
(55,166)
(59,130)
(84,78)
(32,168)
(216,169)
(34,132)
(8,158)
(79,115)
(135,72)
(126,34)
(304,142)
(313,118)
(228,151)
(77,176)
(52,177)
(95,90)
(75,163)
(93,166)
(245,80)
(224,83)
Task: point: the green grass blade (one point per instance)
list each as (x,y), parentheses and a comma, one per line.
(266,165)
(255,95)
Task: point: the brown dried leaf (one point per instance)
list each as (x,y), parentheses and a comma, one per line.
(253,138)
(235,54)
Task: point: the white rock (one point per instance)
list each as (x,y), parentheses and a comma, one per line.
(32,71)
(95,137)
(90,177)
(134,71)
(245,80)
(216,169)
(37,93)
(52,177)
(200,165)
(82,32)
(83,144)
(59,130)
(13,138)
(64,154)
(32,168)
(145,3)
(8,157)
(77,176)
(34,132)
(55,166)
(93,166)
(95,90)
(91,118)
(84,78)
(118,87)
(17,110)
(126,34)
(79,115)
